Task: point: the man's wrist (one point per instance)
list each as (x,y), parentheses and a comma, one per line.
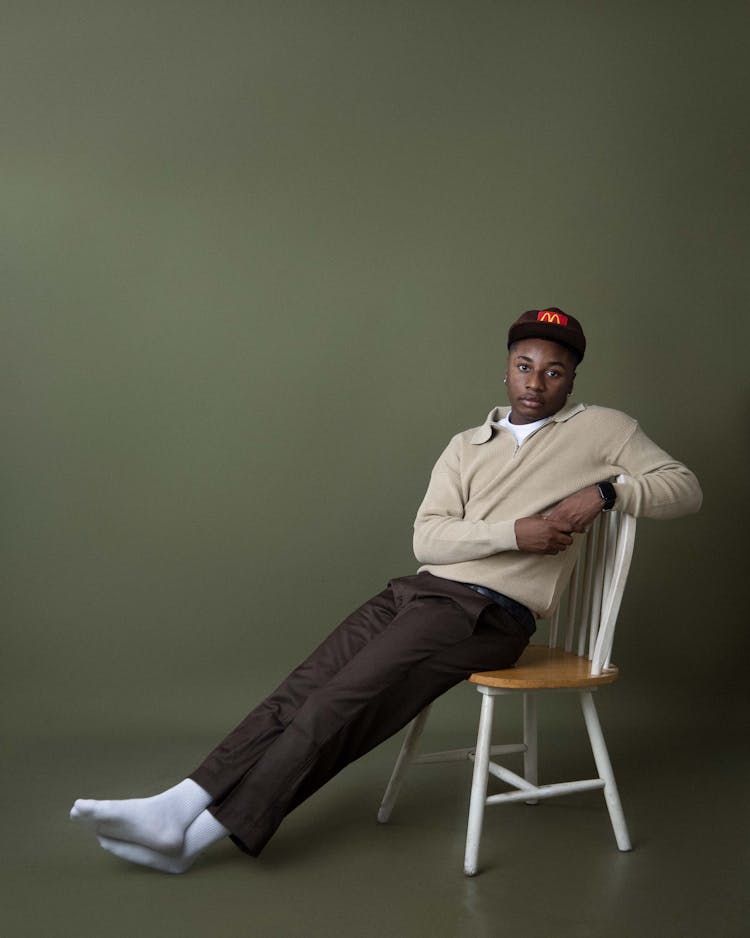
(608,495)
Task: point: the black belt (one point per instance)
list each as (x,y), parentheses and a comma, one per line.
(520,613)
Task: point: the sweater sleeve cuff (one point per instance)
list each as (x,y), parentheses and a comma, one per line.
(625,499)
(504,535)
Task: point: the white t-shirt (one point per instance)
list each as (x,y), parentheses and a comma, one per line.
(521,431)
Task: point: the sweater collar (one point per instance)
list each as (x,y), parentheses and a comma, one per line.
(484,433)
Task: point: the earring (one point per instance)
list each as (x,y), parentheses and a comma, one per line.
(505,380)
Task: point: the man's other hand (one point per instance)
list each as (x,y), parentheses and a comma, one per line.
(539,535)
(578,510)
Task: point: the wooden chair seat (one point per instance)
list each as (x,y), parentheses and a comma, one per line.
(541,667)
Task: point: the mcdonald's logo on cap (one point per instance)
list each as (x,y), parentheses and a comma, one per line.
(548,315)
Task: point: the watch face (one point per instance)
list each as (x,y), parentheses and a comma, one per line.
(608,494)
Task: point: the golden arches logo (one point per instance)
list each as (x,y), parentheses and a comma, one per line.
(557,319)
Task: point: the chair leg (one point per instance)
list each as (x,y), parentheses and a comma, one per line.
(402,764)
(604,768)
(530,756)
(479,784)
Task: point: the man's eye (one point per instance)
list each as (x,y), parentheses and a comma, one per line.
(554,374)
(523,367)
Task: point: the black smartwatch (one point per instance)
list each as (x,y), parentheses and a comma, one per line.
(608,494)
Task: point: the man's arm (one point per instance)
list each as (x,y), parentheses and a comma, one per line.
(657,486)
(578,510)
(443,535)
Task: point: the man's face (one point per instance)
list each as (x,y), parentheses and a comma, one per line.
(540,376)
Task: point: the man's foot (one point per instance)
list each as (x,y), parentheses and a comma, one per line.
(145,856)
(158,823)
(204,831)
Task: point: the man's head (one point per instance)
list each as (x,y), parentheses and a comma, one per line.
(544,348)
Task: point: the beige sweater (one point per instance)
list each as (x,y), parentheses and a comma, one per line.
(483,482)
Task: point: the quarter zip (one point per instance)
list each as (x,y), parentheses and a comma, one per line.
(517,445)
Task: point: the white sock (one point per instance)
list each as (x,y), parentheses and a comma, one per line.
(159,822)
(204,831)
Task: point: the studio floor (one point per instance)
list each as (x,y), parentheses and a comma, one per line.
(548,870)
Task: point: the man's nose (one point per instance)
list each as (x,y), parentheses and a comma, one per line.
(534,380)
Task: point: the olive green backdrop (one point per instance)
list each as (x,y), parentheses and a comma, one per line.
(259,260)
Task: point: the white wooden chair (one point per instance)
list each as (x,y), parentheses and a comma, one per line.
(577,657)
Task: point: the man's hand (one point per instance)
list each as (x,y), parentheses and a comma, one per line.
(551,533)
(578,510)
(540,535)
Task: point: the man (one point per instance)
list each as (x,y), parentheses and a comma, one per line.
(495,536)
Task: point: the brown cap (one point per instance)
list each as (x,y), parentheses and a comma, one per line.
(551,324)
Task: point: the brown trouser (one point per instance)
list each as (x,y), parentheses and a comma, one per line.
(369,678)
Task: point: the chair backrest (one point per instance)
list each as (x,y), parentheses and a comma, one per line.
(584,621)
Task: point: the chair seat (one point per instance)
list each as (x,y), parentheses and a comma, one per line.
(543,667)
